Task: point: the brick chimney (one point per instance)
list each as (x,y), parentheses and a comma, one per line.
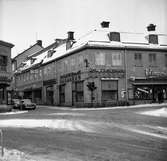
(39,42)
(105,24)
(152,36)
(70,40)
(151,27)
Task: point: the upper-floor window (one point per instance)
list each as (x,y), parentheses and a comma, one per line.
(116,59)
(152,59)
(138,59)
(3,60)
(100,59)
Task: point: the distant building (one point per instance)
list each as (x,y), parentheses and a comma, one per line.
(104,67)
(5,70)
(21,57)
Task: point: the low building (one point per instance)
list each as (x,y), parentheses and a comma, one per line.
(104,67)
(5,70)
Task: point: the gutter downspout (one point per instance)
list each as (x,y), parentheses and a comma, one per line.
(126,74)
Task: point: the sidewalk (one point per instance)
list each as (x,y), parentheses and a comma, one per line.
(103,108)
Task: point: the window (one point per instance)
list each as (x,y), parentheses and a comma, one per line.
(109,90)
(3,60)
(77,91)
(62,93)
(152,59)
(116,59)
(138,59)
(100,59)
(165,60)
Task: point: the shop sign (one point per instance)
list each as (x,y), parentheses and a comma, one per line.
(106,73)
(149,73)
(4,79)
(70,77)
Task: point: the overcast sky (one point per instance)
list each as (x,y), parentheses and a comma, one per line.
(22,22)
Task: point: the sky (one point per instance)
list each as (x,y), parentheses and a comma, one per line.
(22,22)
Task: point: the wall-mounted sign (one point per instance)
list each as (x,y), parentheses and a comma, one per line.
(106,73)
(70,77)
(149,73)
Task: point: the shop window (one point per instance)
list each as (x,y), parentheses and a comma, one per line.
(79,92)
(100,58)
(143,93)
(109,90)
(116,59)
(138,59)
(62,93)
(77,89)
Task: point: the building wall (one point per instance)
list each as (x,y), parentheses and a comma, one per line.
(5,70)
(23,56)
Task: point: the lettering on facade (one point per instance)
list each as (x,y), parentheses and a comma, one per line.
(149,73)
(106,73)
(5,79)
(70,77)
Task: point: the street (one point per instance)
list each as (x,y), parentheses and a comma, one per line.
(109,134)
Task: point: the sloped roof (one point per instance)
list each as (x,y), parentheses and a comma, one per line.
(99,38)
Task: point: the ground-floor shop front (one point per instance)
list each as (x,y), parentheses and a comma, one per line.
(149,90)
(4,84)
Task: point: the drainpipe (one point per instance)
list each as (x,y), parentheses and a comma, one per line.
(126,74)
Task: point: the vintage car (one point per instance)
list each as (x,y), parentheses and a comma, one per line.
(23,104)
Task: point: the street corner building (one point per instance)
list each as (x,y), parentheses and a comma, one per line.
(5,70)
(104,67)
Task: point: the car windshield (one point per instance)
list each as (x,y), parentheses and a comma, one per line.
(27,101)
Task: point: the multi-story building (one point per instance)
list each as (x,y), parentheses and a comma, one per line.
(5,70)
(101,68)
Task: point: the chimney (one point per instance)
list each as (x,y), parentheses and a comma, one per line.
(152,37)
(70,35)
(114,36)
(105,24)
(151,27)
(39,42)
(70,40)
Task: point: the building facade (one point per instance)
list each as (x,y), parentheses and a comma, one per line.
(5,70)
(104,67)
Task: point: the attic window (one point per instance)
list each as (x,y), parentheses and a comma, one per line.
(50,53)
(114,36)
(33,60)
(153,39)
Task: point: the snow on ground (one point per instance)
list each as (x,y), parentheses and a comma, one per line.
(162,112)
(15,155)
(105,108)
(59,124)
(13,112)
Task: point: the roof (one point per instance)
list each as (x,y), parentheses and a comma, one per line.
(99,38)
(6,44)
(29,49)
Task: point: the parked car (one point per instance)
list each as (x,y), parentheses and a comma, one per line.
(23,104)
(27,104)
(16,103)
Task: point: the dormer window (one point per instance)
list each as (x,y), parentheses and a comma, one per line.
(33,60)
(50,53)
(114,36)
(153,39)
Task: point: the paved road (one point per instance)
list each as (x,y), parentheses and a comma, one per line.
(50,134)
